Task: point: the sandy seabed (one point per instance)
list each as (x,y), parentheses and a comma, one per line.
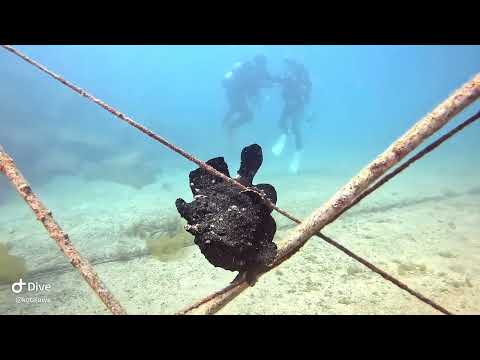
(423,229)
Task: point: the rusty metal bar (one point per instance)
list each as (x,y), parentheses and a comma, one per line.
(44,215)
(423,129)
(232,181)
(410,161)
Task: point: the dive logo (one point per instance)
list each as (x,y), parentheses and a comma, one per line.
(17,287)
(21,286)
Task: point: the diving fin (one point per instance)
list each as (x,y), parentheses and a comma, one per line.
(295,164)
(277,149)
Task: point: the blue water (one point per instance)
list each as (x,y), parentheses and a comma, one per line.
(364,98)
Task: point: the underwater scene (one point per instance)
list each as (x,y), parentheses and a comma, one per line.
(291,125)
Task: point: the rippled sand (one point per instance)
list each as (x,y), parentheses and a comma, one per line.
(423,229)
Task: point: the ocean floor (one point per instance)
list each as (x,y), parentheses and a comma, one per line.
(422,228)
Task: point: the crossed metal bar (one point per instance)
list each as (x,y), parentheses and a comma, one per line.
(359,187)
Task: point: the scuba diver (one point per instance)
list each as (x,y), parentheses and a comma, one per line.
(243,84)
(296,90)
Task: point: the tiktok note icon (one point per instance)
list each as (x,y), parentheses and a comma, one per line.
(17,287)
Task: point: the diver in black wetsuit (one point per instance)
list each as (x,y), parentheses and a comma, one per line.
(296,91)
(243,84)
